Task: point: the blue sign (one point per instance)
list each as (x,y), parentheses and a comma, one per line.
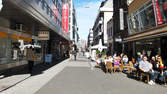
(48,58)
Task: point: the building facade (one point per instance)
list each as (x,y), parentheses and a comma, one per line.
(73,27)
(117,27)
(90,38)
(147,28)
(22,21)
(100,26)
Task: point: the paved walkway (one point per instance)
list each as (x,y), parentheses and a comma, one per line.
(77,77)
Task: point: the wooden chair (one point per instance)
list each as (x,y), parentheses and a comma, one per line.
(131,68)
(117,68)
(146,75)
(165,81)
(109,66)
(124,67)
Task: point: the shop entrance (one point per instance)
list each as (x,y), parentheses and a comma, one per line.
(164,48)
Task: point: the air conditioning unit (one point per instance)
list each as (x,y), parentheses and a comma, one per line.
(19,27)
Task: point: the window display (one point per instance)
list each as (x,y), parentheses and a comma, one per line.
(142,19)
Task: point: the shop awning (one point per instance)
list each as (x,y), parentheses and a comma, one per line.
(100,47)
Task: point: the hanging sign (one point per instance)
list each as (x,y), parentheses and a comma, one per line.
(121,15)
(157,11)
(43,35)
(65,17)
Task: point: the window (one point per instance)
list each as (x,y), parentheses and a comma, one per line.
(3,47)
(142,19)
(147,17)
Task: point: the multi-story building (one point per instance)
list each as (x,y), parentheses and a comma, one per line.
(22,21)
(117,28)
(100,26)
(147,28)
(90,37)
(73,28)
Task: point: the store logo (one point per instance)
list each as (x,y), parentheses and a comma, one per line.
(22,46)
(1,5)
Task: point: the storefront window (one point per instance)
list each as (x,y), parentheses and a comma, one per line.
(142,19)
(147,17)
(134,23)
(149,47)
(3,47)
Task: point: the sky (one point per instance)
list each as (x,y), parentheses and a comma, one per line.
(86,13)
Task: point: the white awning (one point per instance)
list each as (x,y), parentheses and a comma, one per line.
(100,47)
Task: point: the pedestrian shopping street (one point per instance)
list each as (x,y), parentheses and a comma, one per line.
(77,77)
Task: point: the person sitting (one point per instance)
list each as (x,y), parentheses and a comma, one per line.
(117,61)
(111,60)
(135,64)
(146,67)
(154,63)
(106,60)
(98,62)
(140,58)
(164,75)
(125,60)
(161,68)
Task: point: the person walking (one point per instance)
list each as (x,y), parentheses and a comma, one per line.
(75,51)
(30,58)
(70,54)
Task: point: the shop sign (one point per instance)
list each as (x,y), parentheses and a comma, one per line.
(43,35)
(133,21)
(121,15)
(157,11)
(22,46)
(118,40)
(48,58)
(65,17)
(1,5)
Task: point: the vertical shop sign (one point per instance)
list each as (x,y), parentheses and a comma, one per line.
(121,15)
(157,12)
(65,17)
(1,5)
(133,21)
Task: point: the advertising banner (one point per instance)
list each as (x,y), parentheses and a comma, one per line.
(157,12)
(48,58)
(65,17)
(121,15)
